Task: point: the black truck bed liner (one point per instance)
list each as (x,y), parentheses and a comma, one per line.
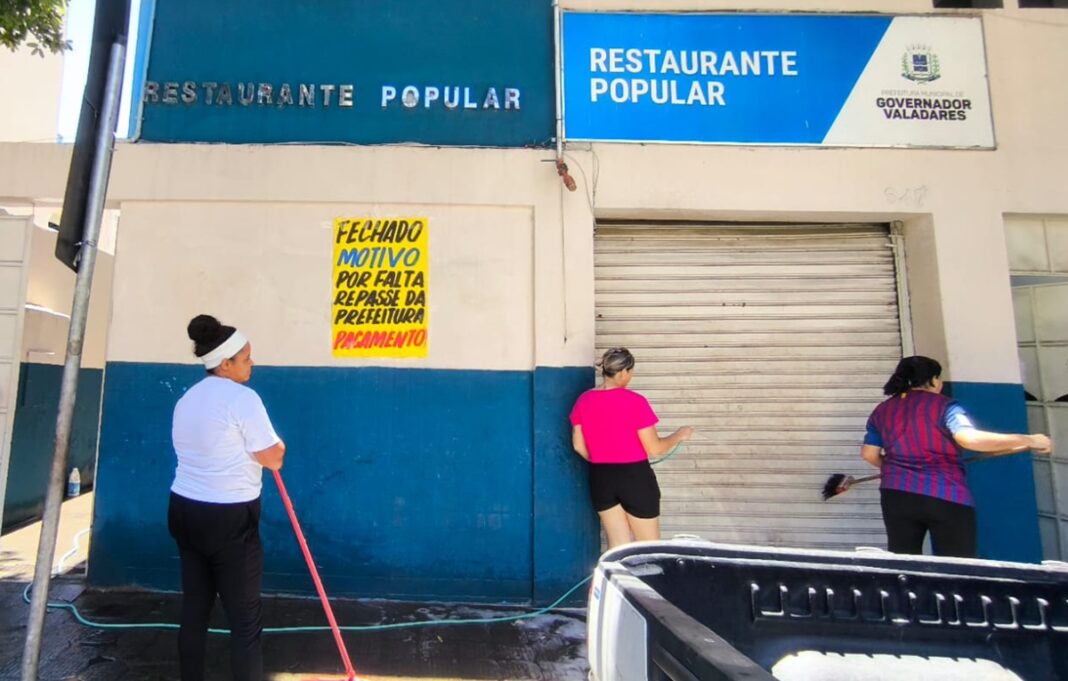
(719,611)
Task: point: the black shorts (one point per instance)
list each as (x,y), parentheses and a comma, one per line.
(633,485)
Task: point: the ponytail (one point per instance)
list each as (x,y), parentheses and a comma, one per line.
(912,372)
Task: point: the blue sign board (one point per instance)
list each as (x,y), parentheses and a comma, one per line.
(441,72)
(864,80)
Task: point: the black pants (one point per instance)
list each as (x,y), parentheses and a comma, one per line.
(908,517)
(221,553)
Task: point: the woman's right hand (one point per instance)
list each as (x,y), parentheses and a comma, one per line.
(684,433)
(271,458)
(1040,444)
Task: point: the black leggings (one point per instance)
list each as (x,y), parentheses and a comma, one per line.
(221,553)
(908,517)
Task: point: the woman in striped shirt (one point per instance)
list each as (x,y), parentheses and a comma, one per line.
(916,438)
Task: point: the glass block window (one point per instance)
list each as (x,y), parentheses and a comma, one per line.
(1038,262)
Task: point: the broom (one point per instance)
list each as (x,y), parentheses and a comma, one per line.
(350,673)
(839,483)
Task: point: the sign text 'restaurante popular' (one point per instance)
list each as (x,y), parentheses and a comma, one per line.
(380,287)
(328,95)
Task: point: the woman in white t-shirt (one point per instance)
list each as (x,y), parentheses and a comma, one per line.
(223,439)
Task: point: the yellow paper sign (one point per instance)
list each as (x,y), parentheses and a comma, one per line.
(380,287)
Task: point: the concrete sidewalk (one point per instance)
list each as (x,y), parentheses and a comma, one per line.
(548,647)
(18,548)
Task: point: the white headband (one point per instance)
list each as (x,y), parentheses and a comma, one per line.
(230,347)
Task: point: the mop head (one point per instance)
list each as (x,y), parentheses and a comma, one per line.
(831,487)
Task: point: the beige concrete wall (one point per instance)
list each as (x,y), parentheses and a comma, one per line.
(31,96)
(51,287)
(870,6)
(255,219)
(267,268)
(895,6)
(951,202)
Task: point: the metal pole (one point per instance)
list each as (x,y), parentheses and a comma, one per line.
(558,65)
(98,184)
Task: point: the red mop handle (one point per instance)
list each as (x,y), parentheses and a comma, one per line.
(315,577)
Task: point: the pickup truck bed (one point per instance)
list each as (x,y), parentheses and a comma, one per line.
(686,610)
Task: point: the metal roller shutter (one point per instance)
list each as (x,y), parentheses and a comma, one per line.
(773,342)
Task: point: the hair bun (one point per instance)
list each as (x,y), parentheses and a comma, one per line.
(203,329)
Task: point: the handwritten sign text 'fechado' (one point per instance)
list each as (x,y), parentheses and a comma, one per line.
(380,287)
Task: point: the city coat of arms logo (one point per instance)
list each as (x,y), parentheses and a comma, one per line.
(920,64)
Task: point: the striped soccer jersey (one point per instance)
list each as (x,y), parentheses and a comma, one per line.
(915,430)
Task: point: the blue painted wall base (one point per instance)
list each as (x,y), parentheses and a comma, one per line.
(34,435)
(1004,488)
(567,533)
(429,484)
(409,483)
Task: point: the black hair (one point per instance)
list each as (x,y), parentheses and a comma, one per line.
(912,372)
(615,360)
(207,333)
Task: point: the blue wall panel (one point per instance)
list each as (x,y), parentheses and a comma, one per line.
(1004,488)
(408,483)
(472,45)
(34,433)
(567,534)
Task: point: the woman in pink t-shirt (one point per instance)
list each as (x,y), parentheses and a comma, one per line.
(615,430)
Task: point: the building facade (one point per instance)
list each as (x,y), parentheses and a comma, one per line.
(766,248)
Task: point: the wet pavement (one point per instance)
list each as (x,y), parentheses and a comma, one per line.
(548,647)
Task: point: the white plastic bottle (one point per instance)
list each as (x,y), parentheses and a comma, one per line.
(74,484)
